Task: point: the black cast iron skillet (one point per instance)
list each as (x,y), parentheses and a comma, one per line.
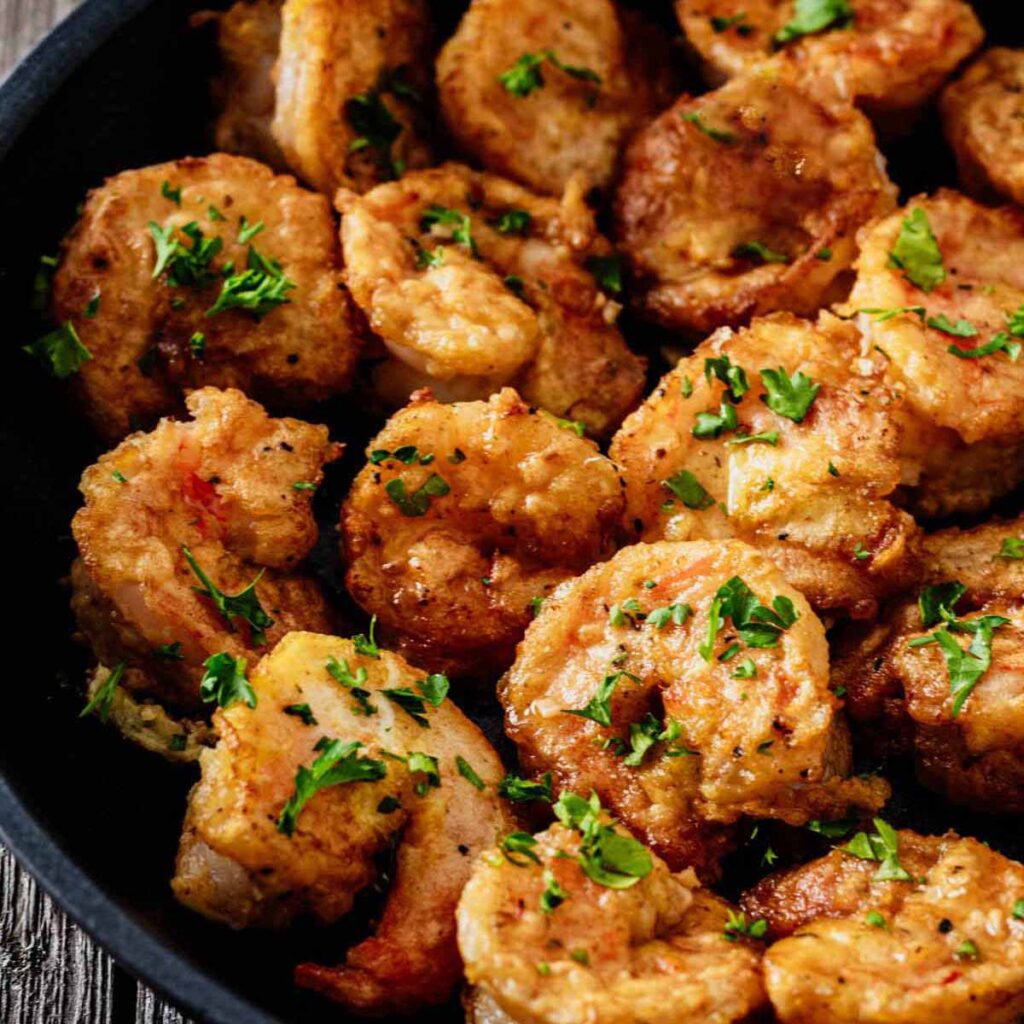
(123,83)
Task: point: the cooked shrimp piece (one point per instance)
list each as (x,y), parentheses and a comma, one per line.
(205,271)
(549,937)
(189,519)
(938,937)
(806,478)
(352,76)
(889,56)
(746,201)
(465,517)
(982,114)
(960,715)
(248,36)
(541,92)
(687,683)
(472,282)
(940,297)
(347,751)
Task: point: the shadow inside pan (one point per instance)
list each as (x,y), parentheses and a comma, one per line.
(139,99)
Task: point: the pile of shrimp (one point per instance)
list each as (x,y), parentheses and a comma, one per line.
(655,405)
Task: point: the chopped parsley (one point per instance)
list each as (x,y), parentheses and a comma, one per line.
(688,489)
(376,130)
(225,682)
(171,652)
(598,708)
(578,427)
(553,895)
(459,223)
(525,75)
(1017,912)
(960,329)
(515,284)
(418,503)
(708,425)
(917,252)
(432,690)
(258,289)
(197,345)
(513,222)
(737,927)
(353,682)
(427,766)
(874,919)
(882,314)
(759,253)
(93,306)
(185,266)
(746,669)
(301,711)
(813,16)
(465,769)
(882,845)
(247,232)
(733,377)
(521,791)
(42,282)
(715,134)
(1011,549)
(518,849)
(789,396)
(61,351)
(677,614)
(607,271)
(644,734)
(967,950)
(719,24)
(1001,342)
(244,605)
(407,454)
(757,625)
(337,764)
(102,699)
(365,643)
(172,194)
(770,437)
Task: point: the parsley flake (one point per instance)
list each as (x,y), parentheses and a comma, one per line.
(917,252)
(789,396)
(688,489)
(244,605)
(102,699)
(225,682)
(61,351)
(813,16)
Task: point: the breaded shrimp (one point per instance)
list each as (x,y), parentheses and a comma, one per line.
(960,718)
(465,517)
(746,201)
(688,685)
(982,114)
(889,56)
(248,36)
(334,725)
(946,944)
(654,952)
(940,297)
(813,493)
(160,280)
(541,92)
(473,282)
(219,490)
(352,76)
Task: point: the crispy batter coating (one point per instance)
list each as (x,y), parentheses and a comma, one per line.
(890,59)
(654,952)
(815,501)
(982,114)
(516,306)
(223,484)
(901,696)
(141,336)
(248,36)
(745,201)
(527,505)
(759,732)
(236,866)
(964,417)
(565,124)
(351,78)
(950,947)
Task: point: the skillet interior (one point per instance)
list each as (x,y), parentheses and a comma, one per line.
(97,819)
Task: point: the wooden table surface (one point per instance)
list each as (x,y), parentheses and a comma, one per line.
(50,972)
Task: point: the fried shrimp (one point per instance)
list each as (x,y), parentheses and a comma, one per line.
(204,271)
(347,750)
(191,541)
(982,114)
(940,297)
(466,516)
(473,282)
(541,92)
(806,478)
(941,676)
(351,77)
(688,685)
(248,36)
(889,56)
(549,935)
(746,201)
(933,933)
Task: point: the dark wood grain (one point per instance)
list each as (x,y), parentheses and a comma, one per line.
(50,971)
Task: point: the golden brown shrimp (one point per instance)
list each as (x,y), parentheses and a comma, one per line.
(889,57)
(945,943)
(473,282)
(453,554)
(339,725)
(159,280)
(982,114)
(219,490)
(705,457)
(960,718)
(688,685)
(947,325)
(351,78)
(653,951)
(541,92)
(746,201)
